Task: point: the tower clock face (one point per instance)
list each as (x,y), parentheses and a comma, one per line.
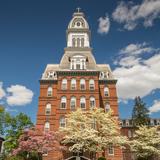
(78,24)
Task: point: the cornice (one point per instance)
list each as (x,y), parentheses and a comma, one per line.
(78,49)
(44,81)
(108,81)
(77,73)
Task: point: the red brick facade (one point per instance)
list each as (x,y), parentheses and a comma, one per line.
(87,69)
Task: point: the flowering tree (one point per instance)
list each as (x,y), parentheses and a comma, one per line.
(35,142)
(91,131)
(146,142)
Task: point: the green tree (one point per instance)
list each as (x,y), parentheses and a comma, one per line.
(3,117)
(140,114)
(14,126)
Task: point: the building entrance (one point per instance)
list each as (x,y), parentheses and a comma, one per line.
(77,158)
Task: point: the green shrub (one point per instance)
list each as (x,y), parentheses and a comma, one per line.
(101,158)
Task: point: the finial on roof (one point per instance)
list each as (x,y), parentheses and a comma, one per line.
(78,9)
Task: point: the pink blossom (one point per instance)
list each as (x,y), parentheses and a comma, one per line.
(35,140)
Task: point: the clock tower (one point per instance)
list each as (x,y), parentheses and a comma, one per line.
(76,82)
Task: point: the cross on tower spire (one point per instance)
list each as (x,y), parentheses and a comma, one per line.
(78,9)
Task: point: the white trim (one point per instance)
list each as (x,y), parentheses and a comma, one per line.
(112,149)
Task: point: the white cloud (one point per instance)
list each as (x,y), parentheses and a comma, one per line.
(128,61)
(131,15)
(137,76)
(2,92)
(136,49)
(155,107)
(19,95)
(104,25)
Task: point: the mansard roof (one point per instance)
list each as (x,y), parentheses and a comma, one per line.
(54,68)
(79,28)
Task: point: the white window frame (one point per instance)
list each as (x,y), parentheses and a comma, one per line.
(82,83)
(78,62)
(83,101)
(63,102)
(110,148)
(73,84)
(106,92)
(92,102)
(73,101)
(91,84)
(62,120)
(48,109)
(47,126)
(107,107)
(129,133)
(49,91)
(64,84)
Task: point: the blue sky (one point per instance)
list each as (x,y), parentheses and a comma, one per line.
(33,34)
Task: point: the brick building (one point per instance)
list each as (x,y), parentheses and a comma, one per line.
(128,130)
(78,81)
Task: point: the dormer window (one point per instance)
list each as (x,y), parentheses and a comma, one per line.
(78,62)
(78,66)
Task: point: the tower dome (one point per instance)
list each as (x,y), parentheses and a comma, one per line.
(78,21)
(78,33)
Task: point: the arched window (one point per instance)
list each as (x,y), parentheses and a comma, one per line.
(78,42)
(49,91)
(82,42)
(106,92)
(63,102)
(48,109)
(73,42)
(62,122)
(83,102)
(47,126)
(107,107)
(82,84)
(91,84)
(129,133)
(64,84)
(111,149)
(73,84)
(92,102)
(73,103)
